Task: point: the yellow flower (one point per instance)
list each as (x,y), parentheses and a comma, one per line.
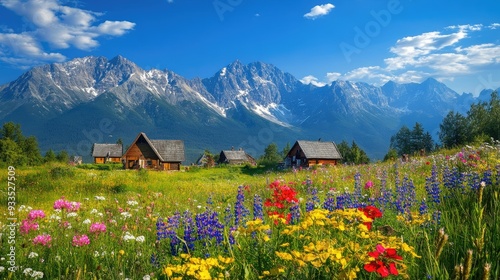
(285,244)
(121,252)
(284,256)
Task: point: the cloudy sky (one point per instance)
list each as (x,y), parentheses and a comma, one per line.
(373,41)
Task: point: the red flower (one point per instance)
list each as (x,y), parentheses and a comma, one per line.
(380,254)
(371,212)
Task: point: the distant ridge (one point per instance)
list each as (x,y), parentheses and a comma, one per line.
(65,105)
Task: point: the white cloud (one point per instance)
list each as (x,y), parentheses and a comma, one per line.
(441,55)
(333,76)
(58,26)
(319,10)
(312,80)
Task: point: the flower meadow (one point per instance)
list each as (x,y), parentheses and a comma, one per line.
(434,217)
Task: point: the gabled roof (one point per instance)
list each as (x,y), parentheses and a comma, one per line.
(107,150)
(236,155)
(319,150)
(165,150)
(169,150)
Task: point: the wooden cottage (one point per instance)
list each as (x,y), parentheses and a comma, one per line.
(104,153)
(154,154)
(308,153)
(236,157)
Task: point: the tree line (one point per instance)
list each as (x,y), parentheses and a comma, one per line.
(19,150)
(481,123)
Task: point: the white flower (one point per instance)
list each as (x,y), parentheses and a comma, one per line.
(86,221)
(128,236)
(2,269)
(146,277)
(32,255)
(54,217)
(126,215)
(37,274)
(72,214)
(93,211)
(58,258)
(483,184)
(96,254)
(140,238)
(27,271)
(132,202)
(100,198)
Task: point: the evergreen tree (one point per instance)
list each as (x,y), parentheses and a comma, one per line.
(62,156)
(453,130)
(15,148)
(50,156)
(271,155)
(286,149)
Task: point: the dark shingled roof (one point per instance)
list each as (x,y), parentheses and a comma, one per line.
(236,155)
(107,150)
(164,150)
(319,150)
(169,150)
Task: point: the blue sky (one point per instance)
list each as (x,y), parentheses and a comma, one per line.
(456,42)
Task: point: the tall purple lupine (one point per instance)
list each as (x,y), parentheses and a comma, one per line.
(329,203)
(171,232)
(432,186)
(474,181)
(240,211)
(312,197)
(258,211)
(189,231)
(294,213)
(209,227)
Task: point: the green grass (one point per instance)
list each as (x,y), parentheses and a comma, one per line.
(135,200)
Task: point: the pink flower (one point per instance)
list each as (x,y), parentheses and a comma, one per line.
(61,204)
(98,228)
(36,214)
(43,239)
(74,206)
(65,204)
(368,185)
(27,226)
(81,240)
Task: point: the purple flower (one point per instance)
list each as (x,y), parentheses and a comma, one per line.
(36,214)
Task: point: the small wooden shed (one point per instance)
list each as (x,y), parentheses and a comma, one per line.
(104,153)
(236,157)
(154,154)
(308,153)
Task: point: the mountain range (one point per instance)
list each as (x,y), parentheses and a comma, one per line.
(74,104)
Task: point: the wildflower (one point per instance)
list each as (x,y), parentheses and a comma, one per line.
(86,221)
(140,238)
(2,269)
(371,212)
(97,228)
(132,203)
(32,255)
(368,185)
(99,198)
(27,226)
(72,214)
(43,239)
(81,240)
(36,214)
(378,265)
(128,236)
(62,204)
(125,215)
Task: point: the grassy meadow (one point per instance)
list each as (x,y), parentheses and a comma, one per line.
(434,217)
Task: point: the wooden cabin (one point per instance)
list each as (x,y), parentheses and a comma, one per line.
(308,153)
(154,154)
(236,157)
(104,153)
